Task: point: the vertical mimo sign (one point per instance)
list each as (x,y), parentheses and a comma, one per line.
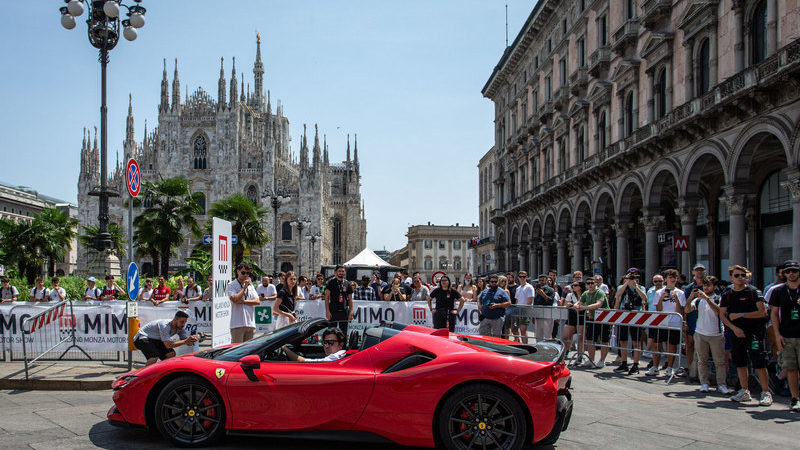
(221,262)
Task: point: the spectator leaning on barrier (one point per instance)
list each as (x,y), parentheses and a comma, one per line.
(591,300)
(575,319)
(396,292)
(493,302)
(111,291)
(525,296)
(154,339)
(8,293)
(315,293)
(161,293)
(192,292)
(244,299)
(92,292)
(444,311)
(698,275)
(419,292)
(652,333)
(208,293)
(265,290)
(669,299)
(285,304)
(545,296)
(598,279)
(177,294)
(39,293)
(708,333)
(785,314)
(630,297)
(57,293)
(364,291)
(742,309)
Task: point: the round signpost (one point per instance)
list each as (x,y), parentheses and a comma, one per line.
(436,276)
(133,180)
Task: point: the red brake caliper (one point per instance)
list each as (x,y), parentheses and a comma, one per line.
(208,413)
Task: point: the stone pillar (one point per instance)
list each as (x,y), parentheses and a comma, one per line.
(546,255)
(621,227)
(534,267)
(651,226)
(577,249)
(688,217)
(521,259)
(793,186)
(597,247)
(712,231)
(738,37)
(737,206)
(561,255)
(772,27)
(688,62)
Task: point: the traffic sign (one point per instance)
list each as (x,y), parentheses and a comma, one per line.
(133,178)
(208,239)
(133,281)
(436,276)
(681,243)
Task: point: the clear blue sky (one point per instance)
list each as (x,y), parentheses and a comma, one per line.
(406,76)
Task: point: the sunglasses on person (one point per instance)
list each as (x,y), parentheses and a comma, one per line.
(791,270)
(522,276)
(492,281)
(590,282)
(244,272)
(739,275)
(658,281)
(329,343)
(576,285)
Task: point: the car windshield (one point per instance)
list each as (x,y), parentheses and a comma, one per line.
(251,346)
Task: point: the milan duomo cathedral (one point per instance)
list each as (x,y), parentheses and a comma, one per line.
(236,143)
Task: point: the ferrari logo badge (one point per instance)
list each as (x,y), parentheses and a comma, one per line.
(220,373)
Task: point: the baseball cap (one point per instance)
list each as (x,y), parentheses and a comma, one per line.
(92,279)
(791,264)
(699,266)
(365,278)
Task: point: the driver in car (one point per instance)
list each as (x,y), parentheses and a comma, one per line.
(333,342)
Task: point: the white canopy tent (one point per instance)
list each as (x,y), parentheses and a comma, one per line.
(367,258)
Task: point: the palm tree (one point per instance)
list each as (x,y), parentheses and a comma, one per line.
(246,219)
(55,231)
(171,210)
(20,248)
(89,236)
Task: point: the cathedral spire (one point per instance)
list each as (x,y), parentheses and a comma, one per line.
(176,90)
(355,152)
(130,144)
(221,85)
(258,75)
(234,87)
(304,151)
(316,148)
(269,103)
(348,152)
(164,90)
(325,150)
(241,98)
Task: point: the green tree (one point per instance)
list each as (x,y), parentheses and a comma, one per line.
(55,231)
(171,209)
(246,219)
(118,244)
(21,248)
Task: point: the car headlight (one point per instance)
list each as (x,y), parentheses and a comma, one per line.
(122,381)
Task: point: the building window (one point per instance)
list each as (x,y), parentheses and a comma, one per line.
(581,53)
(703,72)
(759,27)
(630,9)
(457,264)
(580,149)
(428,243)
(563,71)
(442,245)
(337,240)
(286,231)
(201,201)
(601,132)
(456,245)
(548,88)
(252,194)
(442,264)
(428,264)
(562,155)
(774,198)
(534,172)
(602,31)
(661,94)
(524,111)
(200,151)
(564,26)
(548,164)
(628,121)
(512,189)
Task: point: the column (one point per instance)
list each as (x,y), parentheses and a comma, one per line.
(546,254)
(521,259)
(597,248)
(651,224)
(772,27)
(793,186)
(577,249)
(621,227)
(737,204)
(534,267)
(688,217)
(688,79)
(561,256)
(738,37)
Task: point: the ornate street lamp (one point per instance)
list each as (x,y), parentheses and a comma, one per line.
(312,239)
(103,25)
(300,224)
(275,198)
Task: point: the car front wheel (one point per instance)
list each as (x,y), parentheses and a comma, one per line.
(481,417)
(189,412)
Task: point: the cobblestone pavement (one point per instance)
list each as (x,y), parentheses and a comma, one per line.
(626,412)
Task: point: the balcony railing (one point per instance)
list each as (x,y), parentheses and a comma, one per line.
(561,97)
(655,10)
(579,80)
(626,35)
(599,60)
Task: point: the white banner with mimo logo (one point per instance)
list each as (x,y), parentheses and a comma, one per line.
(221,268)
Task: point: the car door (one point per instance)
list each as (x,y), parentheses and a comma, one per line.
(301,395)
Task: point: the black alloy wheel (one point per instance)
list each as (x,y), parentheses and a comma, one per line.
(482,417)
(189,412)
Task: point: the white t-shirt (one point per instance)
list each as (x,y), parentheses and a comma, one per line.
(54,294)
(267,291)
(242,315)
(93,293)
(604,287)
(146,294)
(196,291)
(38,294)
(524,294)
(315,292)
(572,299)
(708,322)
(770,291)
(670,305)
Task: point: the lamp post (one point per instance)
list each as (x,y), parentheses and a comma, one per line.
(103,25)
(275,198)
(312,239)
(300,224)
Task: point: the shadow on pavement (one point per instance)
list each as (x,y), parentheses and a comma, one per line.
(775,415)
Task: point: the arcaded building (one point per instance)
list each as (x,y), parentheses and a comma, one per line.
(623,125)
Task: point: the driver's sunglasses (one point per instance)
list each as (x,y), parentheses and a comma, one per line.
(330,343)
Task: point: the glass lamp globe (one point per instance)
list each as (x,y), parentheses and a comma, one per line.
(137,20)
(111,8)
(75,8)
(68,21)
(130,33)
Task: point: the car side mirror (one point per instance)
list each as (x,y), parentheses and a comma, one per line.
(250,362)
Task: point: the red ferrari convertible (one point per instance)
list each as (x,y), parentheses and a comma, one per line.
(409,384)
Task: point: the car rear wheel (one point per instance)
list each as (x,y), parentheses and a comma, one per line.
(189,412)
(481,417)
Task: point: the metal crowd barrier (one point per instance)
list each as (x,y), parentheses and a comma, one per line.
(46,331)
(635,319)
(542,321)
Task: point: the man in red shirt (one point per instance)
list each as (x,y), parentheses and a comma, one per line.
(161,293)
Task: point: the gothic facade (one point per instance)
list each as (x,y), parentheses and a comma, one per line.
(623,125)
(236,143)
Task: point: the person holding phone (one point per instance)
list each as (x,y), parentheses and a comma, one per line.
(669,299)
(244,299)
(630,297)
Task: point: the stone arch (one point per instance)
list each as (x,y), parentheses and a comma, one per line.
(525,234)
(795,148)
(603,198)
(750,139)
(657,179)
(549,225)
(583,214)
(630,187)
(705,156)
(564,219)
(536,229)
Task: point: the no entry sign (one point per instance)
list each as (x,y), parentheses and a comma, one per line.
(133,177)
